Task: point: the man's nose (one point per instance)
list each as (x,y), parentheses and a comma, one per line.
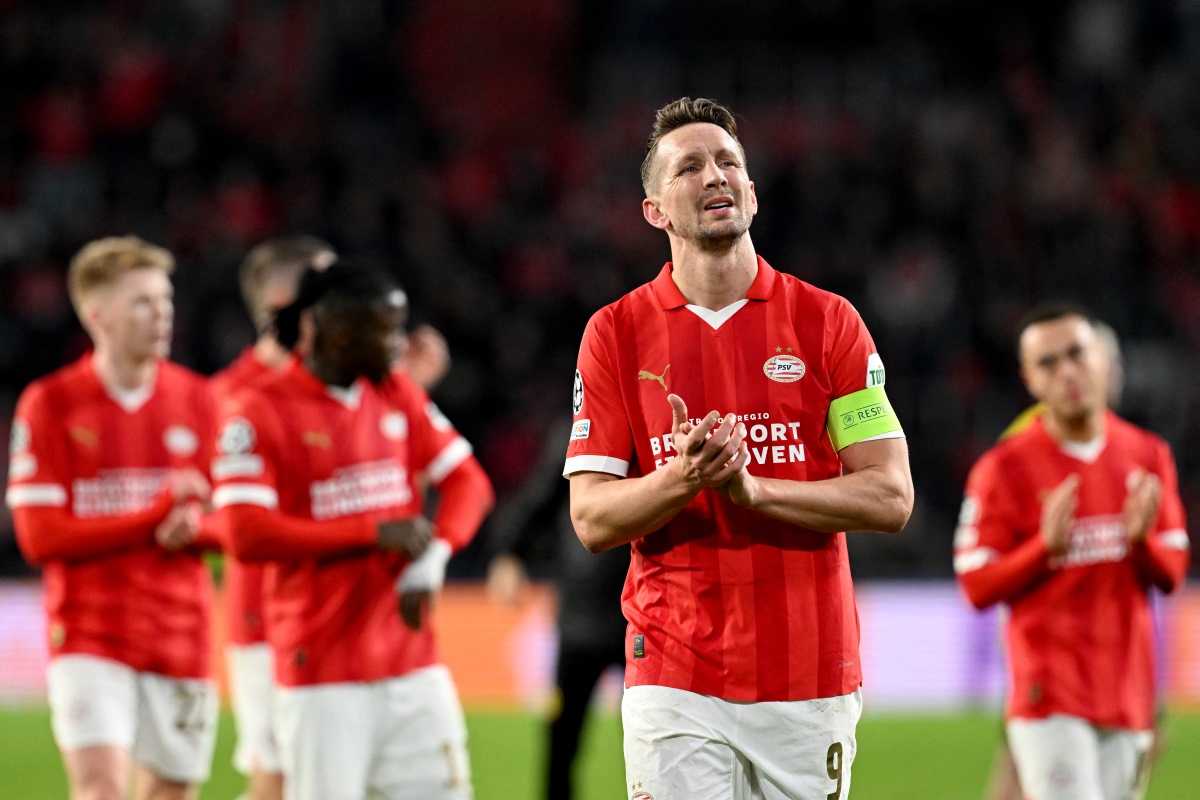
(714,175)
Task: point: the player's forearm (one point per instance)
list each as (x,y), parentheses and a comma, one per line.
(257,534)
(868,500)
(465,498)
(55,534)
(1005,577)
(609,513)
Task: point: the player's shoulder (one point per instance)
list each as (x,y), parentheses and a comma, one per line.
(399,389)
(64,383)
(1122,429)
(181,374)
(811,296)
(634,303)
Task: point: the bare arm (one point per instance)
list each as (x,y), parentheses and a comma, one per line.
(876,494)
(608,510)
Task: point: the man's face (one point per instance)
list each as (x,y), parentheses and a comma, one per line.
(701,193)
(134,316)
(1065,366)
(374,340)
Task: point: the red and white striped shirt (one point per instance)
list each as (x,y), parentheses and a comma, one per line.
(1080,632)
(304,473)
(725,601)
(87,486)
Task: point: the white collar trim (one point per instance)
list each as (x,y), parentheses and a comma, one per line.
(716,319)
(350,397)
(130,399)
(1087,452)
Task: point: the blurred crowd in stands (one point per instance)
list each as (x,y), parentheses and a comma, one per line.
(943,165)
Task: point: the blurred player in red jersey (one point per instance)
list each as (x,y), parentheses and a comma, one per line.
(268,277)
(1003,783)
(1071,522)
(316,473)
(743,671)
(106,487)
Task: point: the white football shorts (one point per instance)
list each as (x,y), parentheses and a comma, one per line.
(400,738)
(1064,757)
(251,688)
(167,724)
(685,746)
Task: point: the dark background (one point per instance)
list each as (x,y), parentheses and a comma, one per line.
(943,165)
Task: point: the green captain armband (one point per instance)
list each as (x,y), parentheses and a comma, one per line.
(860,416)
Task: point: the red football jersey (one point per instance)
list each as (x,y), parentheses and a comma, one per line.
(242,580)
(724,601)
(1080,632)
(87,485)
(304,474)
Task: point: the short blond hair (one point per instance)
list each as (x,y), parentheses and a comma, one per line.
(102,262)
(282,259)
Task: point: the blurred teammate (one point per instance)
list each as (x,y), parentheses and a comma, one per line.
(742,661)
(589,623)
(1071,522)
(269,276)
(105,485)
(316,470)
(1003,783)
(268,279)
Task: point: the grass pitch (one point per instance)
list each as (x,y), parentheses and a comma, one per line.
(910,757)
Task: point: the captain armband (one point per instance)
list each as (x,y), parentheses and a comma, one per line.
(857,417)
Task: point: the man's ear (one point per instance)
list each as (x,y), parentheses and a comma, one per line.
(654,215)
(1024,373)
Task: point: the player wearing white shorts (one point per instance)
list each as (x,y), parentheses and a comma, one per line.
(742,650)
(315,474)
(1072,522)
(106,484)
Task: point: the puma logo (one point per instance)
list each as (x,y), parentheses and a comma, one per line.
(647,375)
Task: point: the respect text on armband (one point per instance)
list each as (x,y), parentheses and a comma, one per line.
(769,442)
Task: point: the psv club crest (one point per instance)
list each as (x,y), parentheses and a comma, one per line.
(784,368)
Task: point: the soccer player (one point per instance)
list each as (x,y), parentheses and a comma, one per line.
(106,482)
(269,276)
(1071,522)
(315,473)
(742,652)
(1004,783)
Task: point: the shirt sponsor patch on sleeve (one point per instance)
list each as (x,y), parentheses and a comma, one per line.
(581,429)
(875,374)
(862,415)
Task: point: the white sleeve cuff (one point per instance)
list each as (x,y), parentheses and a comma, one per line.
(428,572)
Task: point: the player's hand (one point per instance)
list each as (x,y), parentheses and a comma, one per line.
(710,453)
(506,580)
(180,527)
(741,488)
(427,356)
(407,536)
(1141,504)
(1058,514)
(188,484)
(414,608)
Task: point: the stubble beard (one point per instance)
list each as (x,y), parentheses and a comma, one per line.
(713,240)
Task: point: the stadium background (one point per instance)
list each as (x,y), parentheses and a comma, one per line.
(943,165)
